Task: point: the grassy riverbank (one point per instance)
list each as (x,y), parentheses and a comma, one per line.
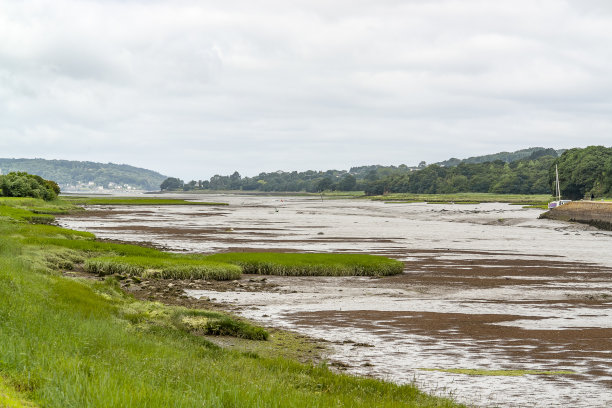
(84,343)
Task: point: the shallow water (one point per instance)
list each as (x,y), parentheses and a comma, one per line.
(485,286)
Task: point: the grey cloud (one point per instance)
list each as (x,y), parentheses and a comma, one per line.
(196,88)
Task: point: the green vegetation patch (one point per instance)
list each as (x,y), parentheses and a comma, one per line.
(507,373)
(133,201)
(165,268)
(153,315)
(217,324)
(22,184)
(290,264)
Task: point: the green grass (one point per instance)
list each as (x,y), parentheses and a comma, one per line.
(292,264)
(10,397)
(133,201)
(459,198)
(230,265)
(505,373)
(80,343)
(166,268)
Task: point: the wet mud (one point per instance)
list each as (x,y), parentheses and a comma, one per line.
(487,287)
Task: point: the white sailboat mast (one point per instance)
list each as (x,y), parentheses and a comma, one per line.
(557,183)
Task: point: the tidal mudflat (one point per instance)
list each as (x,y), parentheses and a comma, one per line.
(486,287)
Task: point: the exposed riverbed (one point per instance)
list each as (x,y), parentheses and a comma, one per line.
(487,287)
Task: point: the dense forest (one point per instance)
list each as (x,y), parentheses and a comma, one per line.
(71,174)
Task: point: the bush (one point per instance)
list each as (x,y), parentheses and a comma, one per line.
(22,184)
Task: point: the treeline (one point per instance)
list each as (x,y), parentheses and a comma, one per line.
(307,181)
(21,184)
(507,157)
(584,172)
(528,176)
(73,173)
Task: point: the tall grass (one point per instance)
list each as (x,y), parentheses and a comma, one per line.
(166,268)
(292,264)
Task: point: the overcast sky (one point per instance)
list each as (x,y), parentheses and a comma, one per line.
(195,88)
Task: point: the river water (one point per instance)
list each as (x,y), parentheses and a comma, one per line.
(485,287)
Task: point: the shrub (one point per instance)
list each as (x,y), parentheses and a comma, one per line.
(22,184)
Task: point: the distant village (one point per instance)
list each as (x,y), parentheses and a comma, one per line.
(92,186)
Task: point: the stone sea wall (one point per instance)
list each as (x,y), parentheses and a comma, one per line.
(595,213)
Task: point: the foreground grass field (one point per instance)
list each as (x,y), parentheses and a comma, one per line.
(84,343)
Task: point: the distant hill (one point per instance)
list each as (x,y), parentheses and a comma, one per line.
(84,175)
(507,157)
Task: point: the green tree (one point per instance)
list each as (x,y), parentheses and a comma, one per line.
(171,183)
(325,184)
(347,183)
(22,184)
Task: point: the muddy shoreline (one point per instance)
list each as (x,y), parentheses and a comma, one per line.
(486,287)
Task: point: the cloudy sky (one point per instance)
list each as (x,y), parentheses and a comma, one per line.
(195,88)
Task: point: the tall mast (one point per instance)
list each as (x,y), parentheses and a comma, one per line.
(557,183)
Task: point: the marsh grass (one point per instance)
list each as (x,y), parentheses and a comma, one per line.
(310,264)
(165,268)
